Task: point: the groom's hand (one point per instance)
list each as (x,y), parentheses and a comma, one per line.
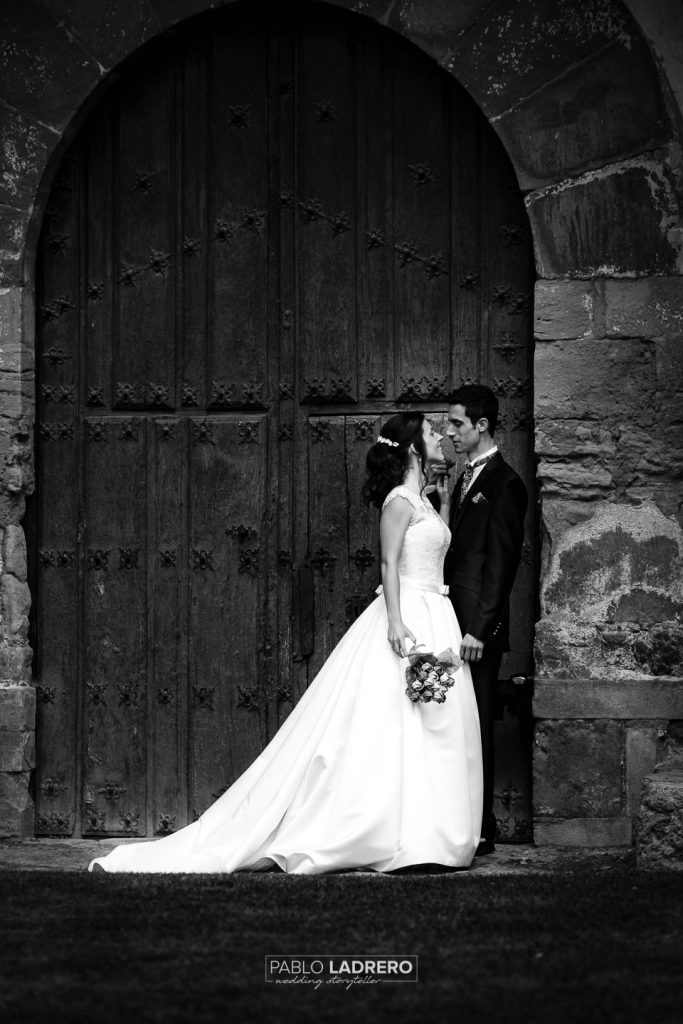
(471,649)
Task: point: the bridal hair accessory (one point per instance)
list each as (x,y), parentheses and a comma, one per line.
(430,676)
(385,440)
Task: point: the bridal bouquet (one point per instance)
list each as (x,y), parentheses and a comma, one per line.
(430,676)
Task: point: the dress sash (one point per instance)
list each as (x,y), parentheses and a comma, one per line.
(411,584)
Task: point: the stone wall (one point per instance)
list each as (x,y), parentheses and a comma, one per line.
(588,109)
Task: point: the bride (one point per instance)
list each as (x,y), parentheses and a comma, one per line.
(358,776)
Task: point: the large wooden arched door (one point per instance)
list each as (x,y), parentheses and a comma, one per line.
(268,236)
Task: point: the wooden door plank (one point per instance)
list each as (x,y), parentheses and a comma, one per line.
(144,354)
(375,237)
(468,299)
(194,230)
(227,494)
(328,515)
(115,632)
(238,285)
(326,215)
(56,597)
(363,522)
(422,258)
(99,283)
(167,568)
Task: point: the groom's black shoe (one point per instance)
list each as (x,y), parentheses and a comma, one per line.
(485,847)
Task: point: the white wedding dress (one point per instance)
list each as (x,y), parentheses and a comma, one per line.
(357,776)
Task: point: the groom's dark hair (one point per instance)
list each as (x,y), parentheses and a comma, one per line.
(479,402)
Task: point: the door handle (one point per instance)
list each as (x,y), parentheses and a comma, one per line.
(305,613)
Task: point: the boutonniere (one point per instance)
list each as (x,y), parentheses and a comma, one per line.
(479,497)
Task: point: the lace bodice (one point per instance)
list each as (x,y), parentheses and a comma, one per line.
(426,540)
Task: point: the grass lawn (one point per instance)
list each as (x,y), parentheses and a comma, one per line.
(591,945)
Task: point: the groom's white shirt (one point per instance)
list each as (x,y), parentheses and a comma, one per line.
(478,469)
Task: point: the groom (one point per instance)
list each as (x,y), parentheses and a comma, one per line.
(488,506)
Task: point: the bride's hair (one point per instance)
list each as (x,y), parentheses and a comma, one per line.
(387,464)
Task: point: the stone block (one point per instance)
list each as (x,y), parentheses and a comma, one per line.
(641,758)
(45,73)
(568,649)
(637,234)
(577,767)
(564,310)
(12,507)
(17,391)
(25,147)
(13,227)
(436,26)
(659,652)
(15,551)
(646,607)
(598,561)
(17,812)
(650,308)
(607,108)
(659,830)
(17,708)
(659,700)
(16,604)
(109,29)
(13,351)
(571,438)
(520,45)
(584,832)
(17,751)
(577,480)
(612,383)
(15,665)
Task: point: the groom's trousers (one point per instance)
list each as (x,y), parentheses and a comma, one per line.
(485,680)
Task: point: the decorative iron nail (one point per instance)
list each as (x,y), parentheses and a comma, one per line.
(128,558)
(323,560)
(112,791)
(98,560)
(190,394)
(202,697)
(320,430)
(95,395)
(325,111)
(202,433)
(422,174)
(364,430)
(202,560)
(96,694)
(248,432)
(239,116)
(144,182)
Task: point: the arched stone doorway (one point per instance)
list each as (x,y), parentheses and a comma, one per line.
(269,236)
(593,129)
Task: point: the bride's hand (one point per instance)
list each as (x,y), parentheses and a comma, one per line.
(442,490)
(397,638)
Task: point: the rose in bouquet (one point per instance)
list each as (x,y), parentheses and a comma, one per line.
(430,676)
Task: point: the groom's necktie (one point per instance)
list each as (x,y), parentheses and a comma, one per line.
(469,473)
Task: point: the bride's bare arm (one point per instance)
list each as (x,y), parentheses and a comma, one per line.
(392,530)
(443,491)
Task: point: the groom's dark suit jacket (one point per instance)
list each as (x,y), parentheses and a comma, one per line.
(486,544)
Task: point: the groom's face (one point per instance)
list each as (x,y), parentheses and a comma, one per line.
(462,432)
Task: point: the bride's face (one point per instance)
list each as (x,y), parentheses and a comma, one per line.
(432,442)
